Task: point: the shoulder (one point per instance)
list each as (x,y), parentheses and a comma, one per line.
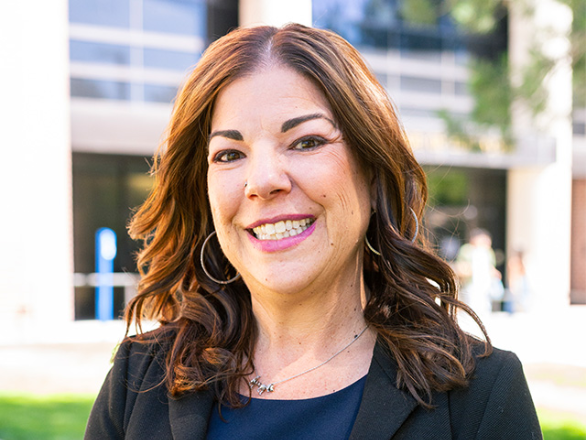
(137,375)
(141,350)
(499,362)
(490,374)
(497,402)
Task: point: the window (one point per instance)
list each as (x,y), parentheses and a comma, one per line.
(423,85)
(156,93)
(167,59)
(99,52)
(115,13)
(92,88)
(187,17)
(105,190)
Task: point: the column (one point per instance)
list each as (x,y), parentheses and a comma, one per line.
(274,12)
(539,198)
(36,229)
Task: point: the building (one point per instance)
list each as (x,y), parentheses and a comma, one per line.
(87,94)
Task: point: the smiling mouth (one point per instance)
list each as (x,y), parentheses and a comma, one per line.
(282,229)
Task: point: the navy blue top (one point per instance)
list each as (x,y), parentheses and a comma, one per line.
(326,417)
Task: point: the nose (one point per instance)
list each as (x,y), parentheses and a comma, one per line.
(267,175)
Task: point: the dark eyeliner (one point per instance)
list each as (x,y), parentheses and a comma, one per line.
(319,141)
(217,156)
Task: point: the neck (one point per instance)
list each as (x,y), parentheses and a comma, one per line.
(312,324)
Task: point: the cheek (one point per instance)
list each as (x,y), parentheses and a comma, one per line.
(223,200)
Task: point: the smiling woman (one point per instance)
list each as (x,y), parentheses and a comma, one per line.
(284,261)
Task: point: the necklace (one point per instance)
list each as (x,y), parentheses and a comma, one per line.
(256,382)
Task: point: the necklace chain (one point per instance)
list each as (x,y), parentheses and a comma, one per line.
(256,382)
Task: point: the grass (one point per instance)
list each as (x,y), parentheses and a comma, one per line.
(561,426)
(63,417)
(35,417)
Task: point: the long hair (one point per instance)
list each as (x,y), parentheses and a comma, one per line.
(209,327)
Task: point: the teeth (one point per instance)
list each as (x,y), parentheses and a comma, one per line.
(282,229)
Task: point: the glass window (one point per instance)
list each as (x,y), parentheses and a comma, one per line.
(105,189)
(99,52)
(167,59)
(408,112)
(414,45)
(186,17)
(377,37)
(93,88)
(114,13)
(343,17)
(417,84)
(155,93)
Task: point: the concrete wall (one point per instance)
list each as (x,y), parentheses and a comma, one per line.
(36,232)
(539,199)
(274,12)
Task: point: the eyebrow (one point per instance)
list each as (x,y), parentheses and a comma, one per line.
(230,134)
(287,125)
(292,123)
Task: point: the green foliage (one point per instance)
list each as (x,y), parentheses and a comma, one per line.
(419,11)
(447,188)
(578,42)
(476,16)
(55,417)
(531,89)
(490,85)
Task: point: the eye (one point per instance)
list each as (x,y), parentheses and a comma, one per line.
(228,156)
(308,143)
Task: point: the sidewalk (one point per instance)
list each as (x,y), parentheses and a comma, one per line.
(75,357)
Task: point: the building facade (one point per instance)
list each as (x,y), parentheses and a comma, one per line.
(110,71)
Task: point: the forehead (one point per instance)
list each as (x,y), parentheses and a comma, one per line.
(272,94)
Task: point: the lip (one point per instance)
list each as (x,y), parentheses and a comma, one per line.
(283,243)
(280,218)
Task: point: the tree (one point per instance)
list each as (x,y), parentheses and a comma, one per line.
(490,74)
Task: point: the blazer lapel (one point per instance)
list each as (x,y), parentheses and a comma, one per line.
(384,407)
(189,415)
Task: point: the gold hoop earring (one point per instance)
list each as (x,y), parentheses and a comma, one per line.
(368,245)
(374,251)
(201,260)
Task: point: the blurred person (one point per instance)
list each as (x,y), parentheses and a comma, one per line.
(283,258)
(480,280)
(517,292)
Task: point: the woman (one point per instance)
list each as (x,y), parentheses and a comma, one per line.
(284,262)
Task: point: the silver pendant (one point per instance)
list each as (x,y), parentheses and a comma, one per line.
(261,387)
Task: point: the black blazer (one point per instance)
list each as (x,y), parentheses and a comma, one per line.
(133,404)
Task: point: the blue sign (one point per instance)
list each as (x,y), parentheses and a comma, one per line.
(105,254)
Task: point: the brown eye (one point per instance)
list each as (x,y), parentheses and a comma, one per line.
(308,143)
(228,156)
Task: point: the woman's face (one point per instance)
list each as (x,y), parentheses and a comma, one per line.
(289,202)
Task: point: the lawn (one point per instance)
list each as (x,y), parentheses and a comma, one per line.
(63,417)
(55,417)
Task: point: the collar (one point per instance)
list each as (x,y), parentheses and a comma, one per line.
(383,410)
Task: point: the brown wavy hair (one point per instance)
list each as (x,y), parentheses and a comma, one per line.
(209,329)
